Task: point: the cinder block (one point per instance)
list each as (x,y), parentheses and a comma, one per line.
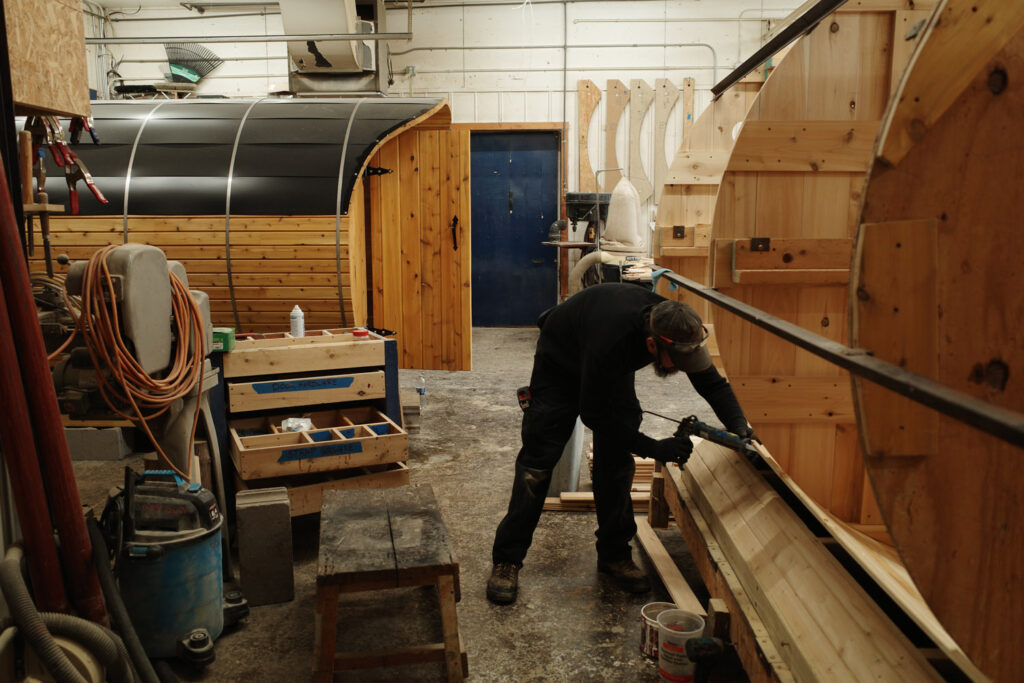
(265,545)
(91,443)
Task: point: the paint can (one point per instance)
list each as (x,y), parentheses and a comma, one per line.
(649,627)
(675,627)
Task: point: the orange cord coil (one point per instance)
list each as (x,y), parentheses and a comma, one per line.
(125,382)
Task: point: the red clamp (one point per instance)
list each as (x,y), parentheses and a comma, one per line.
(74,171)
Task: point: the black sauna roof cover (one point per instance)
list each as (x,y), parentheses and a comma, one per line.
(287,159)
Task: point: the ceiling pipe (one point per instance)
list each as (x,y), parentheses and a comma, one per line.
(153,40)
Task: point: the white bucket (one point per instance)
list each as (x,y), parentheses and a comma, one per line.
(675,627)
(649,627)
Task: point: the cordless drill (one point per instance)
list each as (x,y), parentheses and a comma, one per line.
(691,426)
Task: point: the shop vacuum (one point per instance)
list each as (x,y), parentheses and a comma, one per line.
(165,535)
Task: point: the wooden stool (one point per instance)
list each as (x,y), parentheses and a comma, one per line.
(372,539)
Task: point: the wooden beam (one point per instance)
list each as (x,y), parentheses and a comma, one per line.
(680,591)
(640,99)
(616,100)
(587,97)
(821,146)
(665,99)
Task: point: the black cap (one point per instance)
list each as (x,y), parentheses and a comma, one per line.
(679,330)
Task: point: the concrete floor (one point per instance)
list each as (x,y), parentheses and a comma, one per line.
(569,623)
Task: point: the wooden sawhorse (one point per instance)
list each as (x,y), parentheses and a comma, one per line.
(373,539)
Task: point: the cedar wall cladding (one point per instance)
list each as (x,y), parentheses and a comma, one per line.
(246,194)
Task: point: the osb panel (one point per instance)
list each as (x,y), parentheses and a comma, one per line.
(46,43)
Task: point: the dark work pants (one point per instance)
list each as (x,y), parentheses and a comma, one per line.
(547,426)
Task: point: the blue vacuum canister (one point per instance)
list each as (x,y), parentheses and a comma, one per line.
(169,564)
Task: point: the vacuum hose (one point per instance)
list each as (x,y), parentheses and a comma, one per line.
(101,642)
(31,624)
(115,605)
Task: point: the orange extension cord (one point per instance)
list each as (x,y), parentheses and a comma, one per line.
(128,383)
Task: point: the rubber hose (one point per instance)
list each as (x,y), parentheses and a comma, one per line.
(100,641)
(19,602)
(115,605)
(165,672)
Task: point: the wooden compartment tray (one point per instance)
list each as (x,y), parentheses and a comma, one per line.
(276,393)
(305,491)
(275,354)
(339,439)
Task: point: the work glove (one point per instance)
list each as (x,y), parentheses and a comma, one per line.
(675,449)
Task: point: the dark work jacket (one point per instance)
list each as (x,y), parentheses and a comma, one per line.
(598,339)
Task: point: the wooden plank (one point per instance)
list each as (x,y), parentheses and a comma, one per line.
(665,99)
(802,276)
(748,633)
(375,212)
(431,234)
(391,316)
(640,99)
(46,48)
(453,659)
(355,539)
(679,591)
(685,252)
(767,399)
(826,627)
(422,548)
(819,146)
(587,97)
(698,168)
(412,291)
(357,255)
(968,34)
(616,99)
(277,393)
(448,291)
(325,629)
(242,362)
(688,93)
(802,254)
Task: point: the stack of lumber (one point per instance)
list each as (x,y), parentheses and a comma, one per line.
(583,501)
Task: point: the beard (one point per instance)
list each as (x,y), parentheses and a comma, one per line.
(662,371)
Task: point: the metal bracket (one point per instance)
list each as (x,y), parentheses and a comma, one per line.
(760,243)
(678,232)
(376,170)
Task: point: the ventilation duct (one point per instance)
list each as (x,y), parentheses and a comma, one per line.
(311,17)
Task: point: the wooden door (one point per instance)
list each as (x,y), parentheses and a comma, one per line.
(418,219)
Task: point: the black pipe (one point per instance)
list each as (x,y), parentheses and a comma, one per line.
(802,24)
(19,601)
(995,420)
(115,605)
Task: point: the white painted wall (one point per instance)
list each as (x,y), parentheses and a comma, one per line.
(493,63)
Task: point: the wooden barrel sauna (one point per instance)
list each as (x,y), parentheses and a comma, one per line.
(781,240)
(934,290)
(342,206)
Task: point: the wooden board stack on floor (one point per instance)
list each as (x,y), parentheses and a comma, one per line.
(345,383)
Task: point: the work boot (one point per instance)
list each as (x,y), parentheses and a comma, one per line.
(503,586)
(626,575)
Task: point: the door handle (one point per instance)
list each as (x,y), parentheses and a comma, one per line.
(537,261)
(510,205)
(455,239)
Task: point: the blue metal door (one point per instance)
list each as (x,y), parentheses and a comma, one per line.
(515,199)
